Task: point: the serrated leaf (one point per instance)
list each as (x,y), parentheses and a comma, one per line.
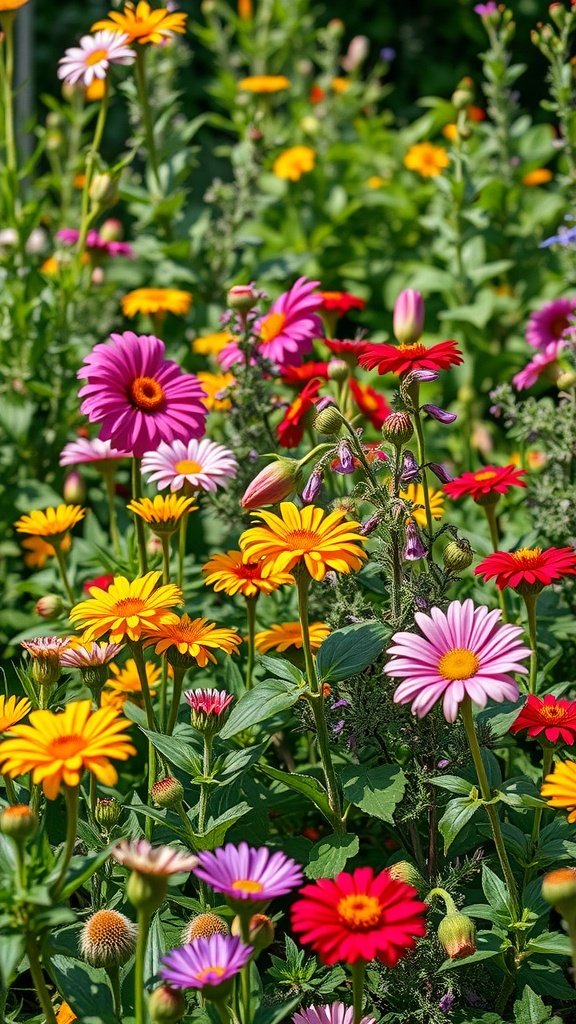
(350,650)
(264,701)
(304,784)
(457,814)
(329,856)
(376,791)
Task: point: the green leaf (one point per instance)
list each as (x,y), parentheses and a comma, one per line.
(530,1009)
(350,650)
(376,791)
(304,784)
(457,814)
(264,701)
(328,857)
(488,945)
(453,783)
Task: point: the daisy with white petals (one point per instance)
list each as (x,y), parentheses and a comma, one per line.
(203,465)
(93,57)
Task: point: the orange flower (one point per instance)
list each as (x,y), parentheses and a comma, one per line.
(228,572)
(128,609)
(427,160)
(143,24)
(264,83)
(294,162)
(289,634)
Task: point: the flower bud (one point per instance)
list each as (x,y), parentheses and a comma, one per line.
(18,822)
(112,230)
(409,317)
(74,489)
(107,813)
(49,607)
(404,871)
(108,939)
(261,930)
(328,421)
(559,890)
(203,926)
(275,482)
(103,190)
(313,487)
(457,934)
(241,298)
(440,414)
(166,1005)
(397,429)
(457,555)
(338,370)
(168,792)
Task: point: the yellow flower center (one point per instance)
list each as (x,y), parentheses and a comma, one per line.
(146,394)
(359,911)
(487,474)
(271,327)
(459,663)
(552,712)
(95,57)
(188,466)
(527,556)
(207,971)
(127,607)
(247,885)
(64,747)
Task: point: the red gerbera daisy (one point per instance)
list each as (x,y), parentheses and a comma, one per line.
(370,402)
(291,430)
(486,483)
(359,916)
(297,375)
(341,302)
(528,570)
(555,718)
(347,347)
(401,359)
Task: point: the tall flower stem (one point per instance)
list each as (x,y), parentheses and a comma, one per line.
(38,979)
(140,1013)
(142,87)
(530,602)
(179,674)
(140,531)
(8,97)
(468,721)
(358,973)
(251,623)
(206,770)
(490,513)
(71,795)
(90,166)
(57,545)
(110,485)
(421,444)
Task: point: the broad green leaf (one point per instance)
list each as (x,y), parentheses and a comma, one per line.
(488,945)
(264,701)
(328,857)
(350,650)
(530,1009)
(376,791)
(304,784)
(457,814)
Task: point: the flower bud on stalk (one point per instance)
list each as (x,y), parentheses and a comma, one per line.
(408,322)
(274,483)
(166,1005)
(457,934)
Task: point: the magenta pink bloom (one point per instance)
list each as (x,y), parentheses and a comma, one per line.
(548,324)
(139,397)
(95,243)
(209,702)
(543,362)
(463,652)
(248,874)
(285,334)
(205,465)
(205,963)
(86,449)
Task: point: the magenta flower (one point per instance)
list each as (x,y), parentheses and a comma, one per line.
(549,323)
(541,363)
(330,1013)
(95,243)
(286,332)
(139,397)
(205,963)
(205,465)
(87,449)
(463,652)
(247,873)
(92,59)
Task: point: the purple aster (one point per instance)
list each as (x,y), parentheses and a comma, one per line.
(285,334)
(205,963)
(549,323)
(139,397)
(249,873)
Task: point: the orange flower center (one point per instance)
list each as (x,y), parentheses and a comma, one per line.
(187,466)
(302,540)
(271,327)
(552,712)
(127,607)
(487,474)
(459,663)
(96,57)
(146,394)
(359,911)
(64,747)
(207,971)
(247,885)
(527,557)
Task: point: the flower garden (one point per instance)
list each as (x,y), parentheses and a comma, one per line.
(288,493)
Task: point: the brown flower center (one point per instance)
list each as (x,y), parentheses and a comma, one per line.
(146,394)
(459,663)
(359,911)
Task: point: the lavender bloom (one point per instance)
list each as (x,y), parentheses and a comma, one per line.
(440,414)
(414,549)
(205,963)
(410,469)
(248,874)
(313,487)
(346,459)
(441,472)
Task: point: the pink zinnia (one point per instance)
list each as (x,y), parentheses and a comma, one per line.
(548,324)
(286,332)
(204,465)
(464,652)
(87,449)
(139,397)
(541,362)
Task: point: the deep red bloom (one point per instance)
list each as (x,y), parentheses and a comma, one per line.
(103,582)
(297,375)
(359,916)
(347,347)
(401,359)
(370,402)
(341,302)
(486,481)
(528,570)
(549,715)
(291,430)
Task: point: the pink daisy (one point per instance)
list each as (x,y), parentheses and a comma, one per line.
(464,652)
(549,323)
(139,397)
(286,332)
(95,242)
(542,361)
(94,56)
(204,465)
(86,449)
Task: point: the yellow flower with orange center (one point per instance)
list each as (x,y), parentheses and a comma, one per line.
(304,536)
(294,162)
(58,748)
(212,344)
(124,684)
(231,574)
(51,522)
(289,634)
(142,24)
(38,551)
(186,639)
(12,710)
(427,160)
(264,84)
(128,610)
(539,176)
(151,301)
(559,788)
(415,494)
(163,512)
(215,385)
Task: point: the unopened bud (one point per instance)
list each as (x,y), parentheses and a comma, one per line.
(74,489)
(107,813)
(397,429)
(328,421)
(275,482)
(457,555)
(559,890)
(166,1005)
(103,190)
(242,298)
(18,822)
(108,939)
(457,934)
(168,792)
(404,871)
(203,926)
(49,607)
(261,930)
(409,317)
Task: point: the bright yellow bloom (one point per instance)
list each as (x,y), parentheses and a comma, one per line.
(289,634)
(294,162)
(415,494)
(65,1015)
(427,160)
(163,512)
(212,344)
(194,639)
(128,609)
(228,572)
(305,535)
(92,93)
(143,24)
(38,551)
(12,710)
(539,176)
(124,684)
(264,83)
(57,748)
(156,300)
(51,522)
(559,788)
(214,384)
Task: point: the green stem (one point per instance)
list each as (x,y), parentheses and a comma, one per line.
(467,719)
(140,531)
(142,87)
(251,621)
(71,795)
(114,978)
(140,1013)
(530,602)
(110,484)
(206,769)
(57,545)
(422,463)
(358,972)
(179,674)
(490,513)
(38,979)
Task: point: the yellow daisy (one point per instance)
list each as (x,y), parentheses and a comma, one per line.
(289,634)
(415,494)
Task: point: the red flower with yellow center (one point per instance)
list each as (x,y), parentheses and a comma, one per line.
(488,482)
(291,429)
(528,570)
(371,403)
(554,718)
(401,359)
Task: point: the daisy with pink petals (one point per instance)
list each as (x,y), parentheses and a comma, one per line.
(203,465)
(86,449)
(248,875)
(285,334)
(547,325)
(93,57)
(463,652)
(139,397)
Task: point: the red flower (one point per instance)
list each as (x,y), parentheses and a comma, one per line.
(370,402)
(291,430)
(297,375)
(103,582)
(341,302)
(359,916)
(528,570)
(401,359)
(347,347)
(491,480)
(555,718)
